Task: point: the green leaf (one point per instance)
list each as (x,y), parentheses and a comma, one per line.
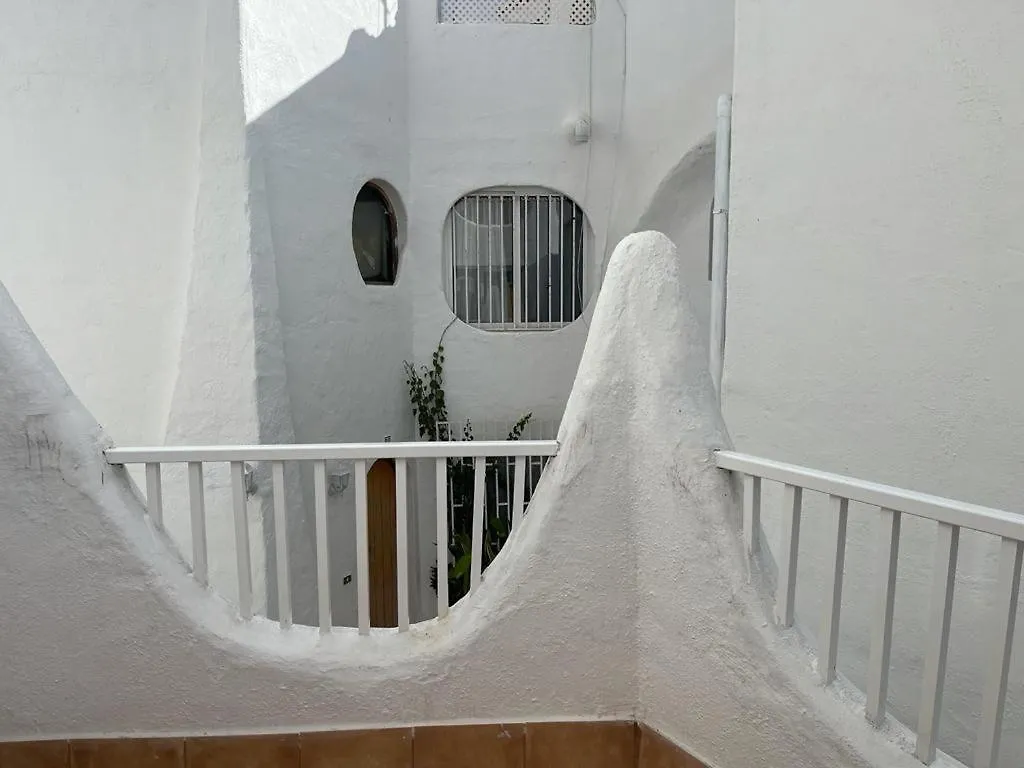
(460,567)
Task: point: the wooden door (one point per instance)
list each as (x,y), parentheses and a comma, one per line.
(380,500)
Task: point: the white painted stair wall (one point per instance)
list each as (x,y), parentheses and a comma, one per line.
(624,593)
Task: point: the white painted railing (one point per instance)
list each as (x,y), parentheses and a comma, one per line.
(950,516)
(362,454)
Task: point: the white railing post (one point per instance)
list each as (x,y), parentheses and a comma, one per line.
(752,513)
(238,499)
(197,510)
(881,627)
(829,642)
(402,542)
(284,592)
(441,481)
(997,662)
(477,555)
(518,491)
(943,579)
(154,494)
(362,550)
(323,549)
(786,598)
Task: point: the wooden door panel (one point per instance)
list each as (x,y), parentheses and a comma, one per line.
(380,498)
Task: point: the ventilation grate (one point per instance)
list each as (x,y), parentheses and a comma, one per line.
(517,11)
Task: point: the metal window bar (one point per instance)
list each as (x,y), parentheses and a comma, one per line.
(502,238)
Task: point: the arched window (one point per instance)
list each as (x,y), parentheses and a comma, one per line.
(375,236)
(517,258)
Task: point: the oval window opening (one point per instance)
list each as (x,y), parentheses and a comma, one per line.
(517,258)
(375,236)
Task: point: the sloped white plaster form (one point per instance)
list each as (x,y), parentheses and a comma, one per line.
(99,139)
(875,313)
(622,593)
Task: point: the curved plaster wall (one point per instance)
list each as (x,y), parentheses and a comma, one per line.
(875,276)
(622,593)
(99,143)
(337,93)
(126,236)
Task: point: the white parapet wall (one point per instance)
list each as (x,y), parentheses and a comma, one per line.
(623,594)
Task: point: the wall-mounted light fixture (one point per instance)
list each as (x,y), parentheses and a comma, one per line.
(249,474)
(337,481)
(580,130)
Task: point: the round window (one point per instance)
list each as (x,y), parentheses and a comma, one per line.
(375,236)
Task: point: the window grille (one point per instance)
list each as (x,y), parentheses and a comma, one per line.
(518,260)
(517,11)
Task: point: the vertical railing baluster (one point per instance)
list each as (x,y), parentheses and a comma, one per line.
(441,482)
(881,627)
(154,495)
(518,491)
(477,556)
(362,550)
(238,500)
(833,598)
(752,513)
(792,499)
(947,544)
(402,543)
(323,549)
(197,507)
(997,661)
(284,592)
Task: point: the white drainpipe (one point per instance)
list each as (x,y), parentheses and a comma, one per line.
(720,241)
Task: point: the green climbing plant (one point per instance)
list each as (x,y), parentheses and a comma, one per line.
(430,408)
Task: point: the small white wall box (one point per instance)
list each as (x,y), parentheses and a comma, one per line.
(581,130)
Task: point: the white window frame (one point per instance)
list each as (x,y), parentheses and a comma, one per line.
(581,257)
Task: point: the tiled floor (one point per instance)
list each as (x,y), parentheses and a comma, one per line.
(536,745)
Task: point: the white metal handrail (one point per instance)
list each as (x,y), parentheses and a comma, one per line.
(892,502)
(319,454)
(332,451)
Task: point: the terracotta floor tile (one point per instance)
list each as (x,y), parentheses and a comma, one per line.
(581,745)
(384,748)
(468,746)
(128,753)
(658,752)
(34,754)
(243,752)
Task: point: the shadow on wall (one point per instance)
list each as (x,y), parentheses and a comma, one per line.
(680,208)
(338,366)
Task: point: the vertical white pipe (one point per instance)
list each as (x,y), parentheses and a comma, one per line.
(720,241)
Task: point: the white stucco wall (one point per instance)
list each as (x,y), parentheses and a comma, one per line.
(340,93)
(623,593)
(214,395)
(98,149)
(125,237)
(874,308)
